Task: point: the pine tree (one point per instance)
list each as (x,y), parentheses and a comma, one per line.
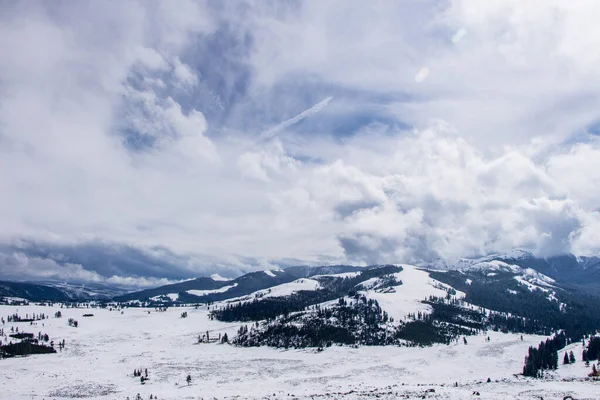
(566,359)
(571,357)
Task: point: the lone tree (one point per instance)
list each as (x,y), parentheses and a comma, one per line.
(188,379)
(566,359)
(224,338)
(572,357)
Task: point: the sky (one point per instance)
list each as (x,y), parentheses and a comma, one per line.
(145,142)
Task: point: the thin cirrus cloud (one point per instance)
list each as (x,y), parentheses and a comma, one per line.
(402,132)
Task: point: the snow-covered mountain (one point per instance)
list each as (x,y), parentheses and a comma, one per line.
(567,269)
(211,289)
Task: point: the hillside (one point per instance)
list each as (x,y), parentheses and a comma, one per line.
(33,292)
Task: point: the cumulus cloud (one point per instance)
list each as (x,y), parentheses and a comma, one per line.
(167,141)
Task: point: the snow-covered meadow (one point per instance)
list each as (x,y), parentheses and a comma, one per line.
(102,353)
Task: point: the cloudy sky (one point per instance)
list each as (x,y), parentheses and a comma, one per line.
(143,142)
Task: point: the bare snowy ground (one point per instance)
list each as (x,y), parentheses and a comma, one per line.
(103,351)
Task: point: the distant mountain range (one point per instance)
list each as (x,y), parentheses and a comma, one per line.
(52,291)
(567,269)
(580,273)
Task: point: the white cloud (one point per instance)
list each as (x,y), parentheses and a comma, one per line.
(184,74)
(103,134)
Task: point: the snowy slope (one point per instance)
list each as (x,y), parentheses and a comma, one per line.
(205,292)
(407,298)
(169,296)
(217,277)
(287,289)
(269,273)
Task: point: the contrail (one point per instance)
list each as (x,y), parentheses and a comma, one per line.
(304,114)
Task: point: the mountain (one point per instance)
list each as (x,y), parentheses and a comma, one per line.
(32,291)
(194,284)
(308,271)
(87,291)
(52,291)
(406,305)
(209,289)
(576,272)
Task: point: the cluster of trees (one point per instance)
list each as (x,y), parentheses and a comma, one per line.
(24,348)
(355,321)
(569,358)
(27,318)
(207,338)
(22,335)
(545,356)
(427,331)
(27,344)
(73,323)
(446,323)
(592,352)
(139,397)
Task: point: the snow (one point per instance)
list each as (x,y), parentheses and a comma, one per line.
(205,292)
(285,289)
(270,273)
(217,277)
(531,286)
(407,298)
(369,283)
(172,296)
(468,263)
(101,354)
(341,275)
(14,299)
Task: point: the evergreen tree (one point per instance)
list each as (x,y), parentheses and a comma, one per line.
(566,359)
(571,357)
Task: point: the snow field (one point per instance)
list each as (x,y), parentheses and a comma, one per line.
(103,351)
